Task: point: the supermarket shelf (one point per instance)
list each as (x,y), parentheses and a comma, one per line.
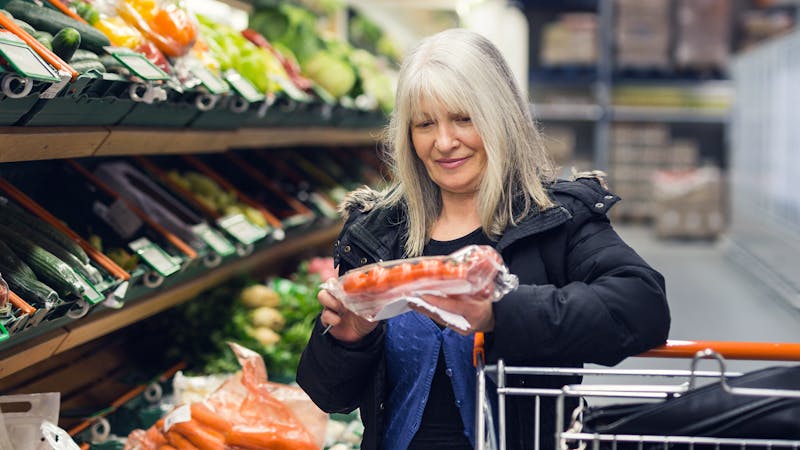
(23,144)
(567,112)
(672,115)
(38,349)
(283,137)
(34,143)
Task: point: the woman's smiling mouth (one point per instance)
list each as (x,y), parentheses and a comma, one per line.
(451,163)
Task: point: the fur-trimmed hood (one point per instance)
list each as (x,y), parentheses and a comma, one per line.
(362,199)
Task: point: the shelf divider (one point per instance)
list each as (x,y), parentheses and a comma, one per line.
(36,143)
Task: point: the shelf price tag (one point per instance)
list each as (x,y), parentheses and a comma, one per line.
(214,239)
(3,333)
(211,82)
(155,256)
(241,229)
(90,292)
(26,62)
(138,64)
(243,87)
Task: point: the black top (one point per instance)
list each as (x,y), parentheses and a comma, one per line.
(441,426)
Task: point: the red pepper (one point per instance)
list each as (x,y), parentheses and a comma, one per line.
(151,52)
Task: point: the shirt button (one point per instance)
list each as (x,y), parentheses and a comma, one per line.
(336,244)
(596,205)
(363,260)
(381,406)
(449,372)
(608,197)
(458,403)
(347,249)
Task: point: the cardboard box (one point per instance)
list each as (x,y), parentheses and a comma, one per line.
(688,204)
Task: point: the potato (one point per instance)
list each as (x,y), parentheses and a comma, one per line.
(259,295)
(265,316)
(266,336)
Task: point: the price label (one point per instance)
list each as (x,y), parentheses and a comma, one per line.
(90,292)
(323,206)
(291,90)
(214,239)
(26,62)
(242,229)
(180,414)
(154,256)
(213,83)
(242,86)
(140,66)
(4,334)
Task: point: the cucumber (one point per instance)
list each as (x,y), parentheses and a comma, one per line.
(44,37)
(9,210)
(11,265)
(6,13)
(43,240)
(84,55)
(22,280)
(49,269)
(65,42)
(87,65)
(25,26)
(52,21)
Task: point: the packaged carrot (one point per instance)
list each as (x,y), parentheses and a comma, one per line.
(384,289)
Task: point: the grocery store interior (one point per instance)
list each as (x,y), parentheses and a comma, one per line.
(170,171)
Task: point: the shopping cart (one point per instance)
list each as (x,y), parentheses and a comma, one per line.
(570,434)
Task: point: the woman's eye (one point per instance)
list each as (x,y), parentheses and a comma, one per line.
(464,119)
(424,124)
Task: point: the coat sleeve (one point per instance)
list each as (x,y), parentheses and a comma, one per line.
(335,374)
(612,306)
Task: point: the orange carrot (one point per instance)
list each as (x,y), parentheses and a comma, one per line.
(209,418)
(166,447)
(279,438)
(17,301)
(203,438)
(155,436)
(37,46)
(179,442)
(63,8)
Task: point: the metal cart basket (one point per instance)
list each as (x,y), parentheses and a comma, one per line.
(569,425)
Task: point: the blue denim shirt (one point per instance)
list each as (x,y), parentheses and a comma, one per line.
(412,350)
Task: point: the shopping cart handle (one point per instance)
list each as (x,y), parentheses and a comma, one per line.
(775,351)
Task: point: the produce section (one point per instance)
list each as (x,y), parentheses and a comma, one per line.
(187,155)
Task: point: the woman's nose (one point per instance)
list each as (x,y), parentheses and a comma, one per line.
(446,138)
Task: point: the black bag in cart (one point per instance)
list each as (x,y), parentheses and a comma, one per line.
(711,411)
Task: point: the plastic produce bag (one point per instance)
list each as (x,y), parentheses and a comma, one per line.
(383,290)
(29,420)
(245,413)
(165,23)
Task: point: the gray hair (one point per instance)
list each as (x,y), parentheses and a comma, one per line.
(466,73)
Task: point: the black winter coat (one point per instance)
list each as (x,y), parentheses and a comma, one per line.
(584,297)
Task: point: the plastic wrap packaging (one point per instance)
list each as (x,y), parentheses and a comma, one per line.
(246,413)
(167,24)
(383,290)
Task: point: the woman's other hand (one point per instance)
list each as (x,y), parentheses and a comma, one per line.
(344,324)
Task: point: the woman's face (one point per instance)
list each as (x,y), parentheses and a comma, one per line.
(450,147)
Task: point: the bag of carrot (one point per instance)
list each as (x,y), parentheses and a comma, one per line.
(382,290)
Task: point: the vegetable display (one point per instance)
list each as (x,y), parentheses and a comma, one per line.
(382,290)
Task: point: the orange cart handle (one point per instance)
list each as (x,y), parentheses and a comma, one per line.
(775,351)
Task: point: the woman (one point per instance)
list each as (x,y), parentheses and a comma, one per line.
(470,168)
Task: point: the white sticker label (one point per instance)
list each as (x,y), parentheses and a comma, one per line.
(181,414)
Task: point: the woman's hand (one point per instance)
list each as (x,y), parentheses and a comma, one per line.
(478,311)
(345,325)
